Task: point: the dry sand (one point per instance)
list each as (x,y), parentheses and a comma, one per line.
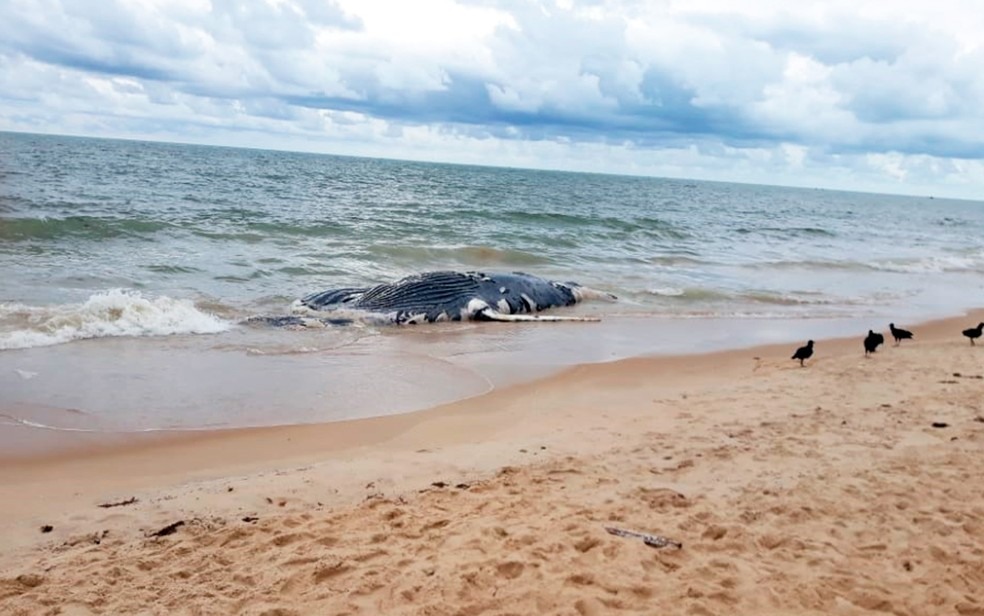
(816,490)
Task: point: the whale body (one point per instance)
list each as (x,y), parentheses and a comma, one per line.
(432,297)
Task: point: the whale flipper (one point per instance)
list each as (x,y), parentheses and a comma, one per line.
(494,315)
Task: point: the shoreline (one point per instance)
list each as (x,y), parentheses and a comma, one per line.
(248,449)
(114,388)
(331,437)
(688,424)
(361,431)
(22,443)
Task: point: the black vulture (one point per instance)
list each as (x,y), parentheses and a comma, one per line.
(899,334)
(974,332)
(872,341)
(804,352)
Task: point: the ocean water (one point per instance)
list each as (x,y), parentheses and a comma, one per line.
(127,268)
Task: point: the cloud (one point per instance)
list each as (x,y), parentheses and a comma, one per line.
(704,88)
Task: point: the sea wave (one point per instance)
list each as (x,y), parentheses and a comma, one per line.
(88,227)
(668,291)
(115,312)
(792,232)
(475,256)
(13,420)
(682,258)
(935,264)
(931,265)
(646,225)
(714,297)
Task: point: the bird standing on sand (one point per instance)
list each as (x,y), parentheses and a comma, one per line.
(804,352)
(899,334)
(974,332)
(872,341)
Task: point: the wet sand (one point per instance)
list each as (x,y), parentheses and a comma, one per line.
(849,486)
(254,377)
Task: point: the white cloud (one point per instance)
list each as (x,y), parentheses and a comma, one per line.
(851,94)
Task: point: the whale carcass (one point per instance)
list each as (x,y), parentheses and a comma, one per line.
(432,297)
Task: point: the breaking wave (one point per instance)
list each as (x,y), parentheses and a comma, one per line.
(115,312)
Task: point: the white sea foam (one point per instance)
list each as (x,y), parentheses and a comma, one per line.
(668,291)
(932,265)
(298,308)
(109,313)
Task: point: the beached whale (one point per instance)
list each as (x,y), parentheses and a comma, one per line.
(432,297)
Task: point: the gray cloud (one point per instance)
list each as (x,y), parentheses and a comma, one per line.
(634,75)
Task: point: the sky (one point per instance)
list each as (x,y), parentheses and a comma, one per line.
(881,96)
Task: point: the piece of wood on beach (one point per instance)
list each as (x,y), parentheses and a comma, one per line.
(122,503)
(653,541)
(170,529)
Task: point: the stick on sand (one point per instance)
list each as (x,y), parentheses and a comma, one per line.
(654,541)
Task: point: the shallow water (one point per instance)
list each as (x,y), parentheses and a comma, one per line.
(245,378)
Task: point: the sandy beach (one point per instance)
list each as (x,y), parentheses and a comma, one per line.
(849,486)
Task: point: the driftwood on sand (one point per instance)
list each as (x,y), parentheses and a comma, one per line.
(654,541)
(122,503)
